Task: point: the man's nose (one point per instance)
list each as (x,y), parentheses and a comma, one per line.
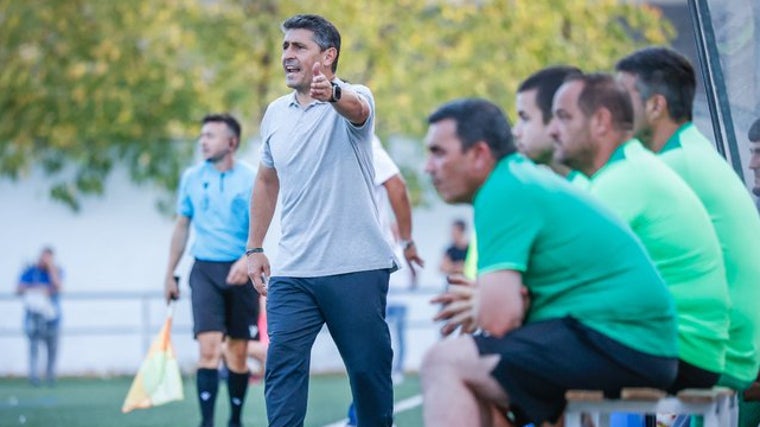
(553,129)
(517,131)
(428,167)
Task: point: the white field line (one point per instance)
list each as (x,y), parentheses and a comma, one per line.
(401,406)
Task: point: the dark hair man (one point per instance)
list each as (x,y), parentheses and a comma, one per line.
(333,262)
(537,287)
(662,84)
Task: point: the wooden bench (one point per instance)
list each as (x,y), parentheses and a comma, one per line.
(717,406)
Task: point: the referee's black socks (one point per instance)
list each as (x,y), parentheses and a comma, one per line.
(207,381)
(237,386)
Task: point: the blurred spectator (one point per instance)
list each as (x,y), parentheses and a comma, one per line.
(754,160)
(391,191)
(751,412)
(455,254)
(40,286)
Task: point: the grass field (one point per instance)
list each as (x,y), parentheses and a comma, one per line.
(78,402)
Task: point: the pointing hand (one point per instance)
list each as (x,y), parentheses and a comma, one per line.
(321,88)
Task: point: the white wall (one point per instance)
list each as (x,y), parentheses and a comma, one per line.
(119,242)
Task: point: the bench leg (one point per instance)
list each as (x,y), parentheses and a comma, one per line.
(711,418)
(572,419)
(603,420)
(731,410)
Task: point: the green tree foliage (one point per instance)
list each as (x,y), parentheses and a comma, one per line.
(86,85)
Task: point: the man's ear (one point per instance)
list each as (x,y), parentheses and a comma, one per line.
(330,54)
(656,107)
(600,121)
(482,157)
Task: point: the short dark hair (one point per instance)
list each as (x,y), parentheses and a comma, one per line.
(325,33)
(661,70)
(460,224)
(232,124)
(546,82)
(478,120)
(600,90)
(754,131)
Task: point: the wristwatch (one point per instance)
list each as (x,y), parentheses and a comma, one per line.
(406,244)
(251,251)
(336,92)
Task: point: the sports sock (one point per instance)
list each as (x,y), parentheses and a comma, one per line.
(207,381)
(237,385)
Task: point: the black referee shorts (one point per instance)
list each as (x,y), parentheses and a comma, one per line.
(221,307)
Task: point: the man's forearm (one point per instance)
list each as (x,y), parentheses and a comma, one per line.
(401,205)
(177,245)
(352,106)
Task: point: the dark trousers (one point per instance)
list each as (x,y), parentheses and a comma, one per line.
(41,332)
(353,307)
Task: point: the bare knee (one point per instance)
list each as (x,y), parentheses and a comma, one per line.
(210,349)
(236,355)
(209,358)
(446,358)
(460,361)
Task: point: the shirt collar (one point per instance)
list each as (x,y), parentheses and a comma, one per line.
(617,155)
(675,140)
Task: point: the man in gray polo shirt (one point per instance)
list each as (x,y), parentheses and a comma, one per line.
(333,262)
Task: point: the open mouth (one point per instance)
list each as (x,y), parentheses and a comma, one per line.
(292,69)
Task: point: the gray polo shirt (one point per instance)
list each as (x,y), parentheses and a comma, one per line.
(329,217)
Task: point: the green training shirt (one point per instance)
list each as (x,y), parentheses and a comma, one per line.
(737,226)
(676,231)
(576,258)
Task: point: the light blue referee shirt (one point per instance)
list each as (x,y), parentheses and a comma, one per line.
(218,205)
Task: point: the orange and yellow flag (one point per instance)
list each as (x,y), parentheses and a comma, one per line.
(159,380)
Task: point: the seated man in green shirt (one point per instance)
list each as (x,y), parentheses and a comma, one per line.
(662,84)
(593,122)
(556,271)
(534,112)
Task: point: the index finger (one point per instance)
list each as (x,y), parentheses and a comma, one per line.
(442,298)
(254,273)
(416,260)
(460,291)
(459,279)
